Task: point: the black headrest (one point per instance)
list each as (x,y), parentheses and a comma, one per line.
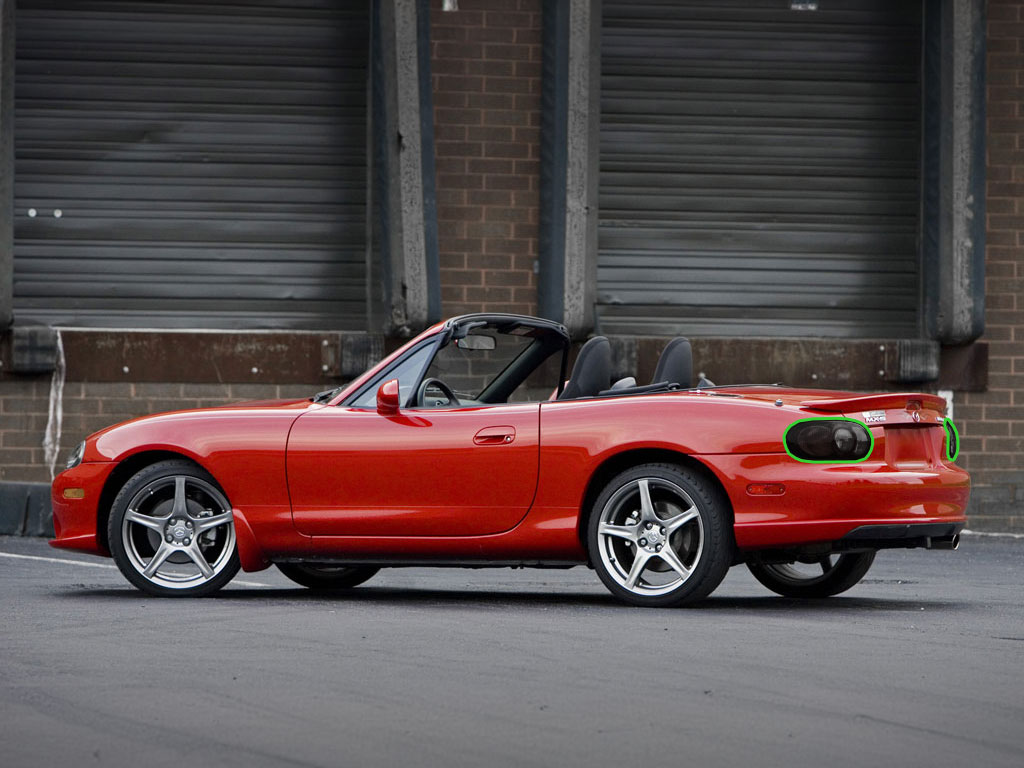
(592,371)
(676,363)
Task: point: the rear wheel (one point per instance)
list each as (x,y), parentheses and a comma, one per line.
(822,577)
(172,533)
(326,578)
(660,535)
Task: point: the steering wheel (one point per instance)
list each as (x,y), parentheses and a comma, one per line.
(421,393)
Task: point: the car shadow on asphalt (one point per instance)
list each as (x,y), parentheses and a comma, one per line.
(483,598)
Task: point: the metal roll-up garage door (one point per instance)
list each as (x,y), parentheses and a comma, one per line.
(191,163)
(760,168)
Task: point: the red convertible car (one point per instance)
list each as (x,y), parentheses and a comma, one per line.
(470,447)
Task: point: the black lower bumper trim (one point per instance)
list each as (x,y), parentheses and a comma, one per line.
(899,536)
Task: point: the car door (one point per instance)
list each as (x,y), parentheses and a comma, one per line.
(421,472)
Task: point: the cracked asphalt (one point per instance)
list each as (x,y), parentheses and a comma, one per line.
(922,664)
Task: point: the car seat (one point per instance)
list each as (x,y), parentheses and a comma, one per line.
(675,365)
(592,371)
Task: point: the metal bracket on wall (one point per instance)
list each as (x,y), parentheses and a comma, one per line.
(33,349)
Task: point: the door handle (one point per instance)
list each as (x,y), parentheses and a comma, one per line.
(495,435)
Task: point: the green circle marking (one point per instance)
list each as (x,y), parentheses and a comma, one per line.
(871,437)
(952,438)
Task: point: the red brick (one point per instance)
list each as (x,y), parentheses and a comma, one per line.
(505,149)
(462,277)
(440,32)
(506,19)
(507,182)
(465,213)
(492,166)
(493,68)
(467,181)
(1001,12)
(512,117)
(490,133)
(500,197)
(516,85)
(508,214)
(506,101)
(511,52)
(448,100)
(488,229)
(457,116)
(452,67)
(491,35)
(491,261)
(507,278)
(458,50)
(486,295)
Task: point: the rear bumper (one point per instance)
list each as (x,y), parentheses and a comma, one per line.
(872,501)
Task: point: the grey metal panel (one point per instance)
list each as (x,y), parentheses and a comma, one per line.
(760,168)
(209,159)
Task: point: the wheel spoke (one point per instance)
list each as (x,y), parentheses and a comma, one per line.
(180,507)
(627,532)
(158,559)
(646,507)
(196,555)
(826,564)
(153,523)
(673,524)
(204,524)
(639,563)
(671,559)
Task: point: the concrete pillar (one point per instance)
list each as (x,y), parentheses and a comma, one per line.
(953,263)
(569,163)
(402,268)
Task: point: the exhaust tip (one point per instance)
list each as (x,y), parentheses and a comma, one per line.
(944,542)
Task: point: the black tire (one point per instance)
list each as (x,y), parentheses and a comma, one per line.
(173,512)
(674,518)
(838,574)
(326,578)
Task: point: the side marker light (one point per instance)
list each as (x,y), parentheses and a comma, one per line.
(74,493)
(766,489)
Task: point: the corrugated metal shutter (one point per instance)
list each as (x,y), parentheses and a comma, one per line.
(760,169)
(208,160)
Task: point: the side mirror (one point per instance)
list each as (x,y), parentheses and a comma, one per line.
(387,398)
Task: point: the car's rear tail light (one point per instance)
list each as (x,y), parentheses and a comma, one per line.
(952,439)
(828,440)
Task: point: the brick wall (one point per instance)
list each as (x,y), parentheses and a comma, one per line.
(485,63)
(24,408)
(992,422)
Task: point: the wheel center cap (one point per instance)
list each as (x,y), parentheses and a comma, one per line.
(651,538)
(178,531)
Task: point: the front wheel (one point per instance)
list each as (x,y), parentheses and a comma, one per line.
(660,536)
(824,577)
(326,578)
(172,533)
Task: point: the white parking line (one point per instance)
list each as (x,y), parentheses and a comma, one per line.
(240,582)
(57,560)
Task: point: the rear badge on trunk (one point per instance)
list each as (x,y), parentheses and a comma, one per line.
(874,416)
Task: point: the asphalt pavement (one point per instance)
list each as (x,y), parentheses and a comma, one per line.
(922,664)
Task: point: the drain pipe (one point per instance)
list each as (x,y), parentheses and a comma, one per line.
(55,417)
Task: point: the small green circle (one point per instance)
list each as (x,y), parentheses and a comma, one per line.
(865,457)
(952,439)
